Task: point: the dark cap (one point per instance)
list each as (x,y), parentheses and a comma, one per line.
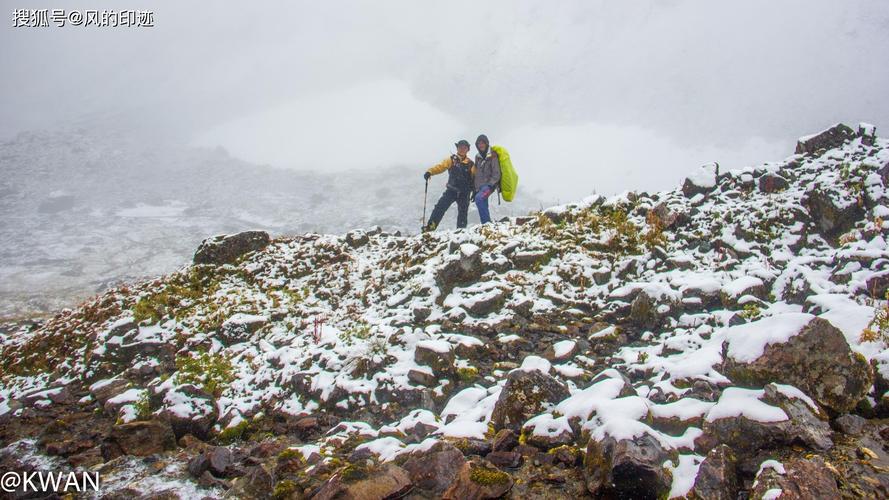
(462,142)
(482,138)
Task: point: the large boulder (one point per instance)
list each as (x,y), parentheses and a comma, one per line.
(832,217)
(525,394)
(750,420)
(227,249)
(627,468)
(831,138)
(816,359)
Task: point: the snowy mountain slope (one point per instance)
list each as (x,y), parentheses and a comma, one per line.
(84,210)
(726,336)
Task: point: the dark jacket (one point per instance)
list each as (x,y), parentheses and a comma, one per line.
(459,173)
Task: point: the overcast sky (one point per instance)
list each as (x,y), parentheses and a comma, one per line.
(588,95)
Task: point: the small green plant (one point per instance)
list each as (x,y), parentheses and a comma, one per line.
(878,329)
(642,357)
(751,311)
(467,374)
(143,406)
(234,433)
(360,331)
(487,476)
(284,489)
(211,372)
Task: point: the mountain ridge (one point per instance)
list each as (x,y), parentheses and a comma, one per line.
(726,336)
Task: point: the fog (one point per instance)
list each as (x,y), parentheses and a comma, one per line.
(588,95)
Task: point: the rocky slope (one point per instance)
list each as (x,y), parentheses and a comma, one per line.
(727,337)
(83,210)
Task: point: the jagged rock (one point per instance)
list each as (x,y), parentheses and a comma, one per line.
(717,477)
(240,327)
(746,435)
(831,138)
(435,469)
(435,354)
(357,238)
(561,351)
(702,181)
(627,468)
(421,314)
(504,440)
(422,378)
(190,410)
(389,481)
(478,479)
(198,465)
(868,134)
(666,217)
(850,424)
(803,479)
(255,484)
(510,459)
(884,173)
(772,183)
(143,438)
(524,395)
(227,249)
(104,390)
(220,460)
(643,312)
(807,425)
(528,259)
(485,303)
(878,285)
(832,218)
(461,268)
(818,360)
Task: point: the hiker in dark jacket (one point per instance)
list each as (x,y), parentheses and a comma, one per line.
(459,169)
(486,175)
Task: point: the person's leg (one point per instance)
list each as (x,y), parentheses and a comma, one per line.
(441,206)
(462,210)
(481,201)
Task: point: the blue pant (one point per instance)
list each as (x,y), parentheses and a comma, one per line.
(481,202)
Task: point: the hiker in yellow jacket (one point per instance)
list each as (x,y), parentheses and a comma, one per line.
(460,170)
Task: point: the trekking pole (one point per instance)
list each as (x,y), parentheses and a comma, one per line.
(425,192)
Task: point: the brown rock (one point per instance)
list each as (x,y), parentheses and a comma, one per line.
(804,478)
(143,438)
(817,360)
(479,479)
(436,469)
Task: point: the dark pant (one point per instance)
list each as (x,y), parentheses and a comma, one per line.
(445,202)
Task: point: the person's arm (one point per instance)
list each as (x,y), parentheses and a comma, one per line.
(441,167)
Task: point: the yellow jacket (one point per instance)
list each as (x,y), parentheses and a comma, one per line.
(447,163)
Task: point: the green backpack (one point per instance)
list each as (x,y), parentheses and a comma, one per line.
(509,179)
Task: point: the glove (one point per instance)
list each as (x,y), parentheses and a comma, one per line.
(426,175)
